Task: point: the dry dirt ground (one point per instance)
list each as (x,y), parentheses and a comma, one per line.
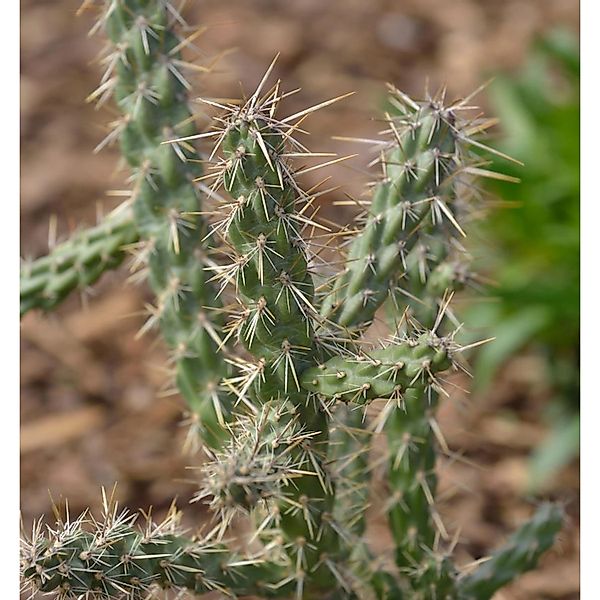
(94,406)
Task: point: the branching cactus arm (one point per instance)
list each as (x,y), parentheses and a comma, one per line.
(146,75)
(414,210)
(124,556)
(521,554)
(76,263)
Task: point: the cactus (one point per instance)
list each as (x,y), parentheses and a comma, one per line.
(280,377)
(522,552)
(117,557)
(76,263)
(146,76)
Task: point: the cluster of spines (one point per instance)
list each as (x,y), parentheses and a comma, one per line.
(119,557)
(76,263)
(257,463)
(275,320)
(145,74)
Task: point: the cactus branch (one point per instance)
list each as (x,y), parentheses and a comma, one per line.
(77,262)
(386,373)
(520,554)
(146,77)
(421,194)
(119,557)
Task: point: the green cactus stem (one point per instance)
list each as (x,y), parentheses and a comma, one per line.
(384,373)
(425,194)
(270,268)
(520,554)
(146,78)
(349,449)
(76,263)
(116,558)
(418,202)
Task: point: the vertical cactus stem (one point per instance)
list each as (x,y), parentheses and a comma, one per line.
(408,252)
(145,74)
(276,321)
(413,201)
(423,196)
(349,455)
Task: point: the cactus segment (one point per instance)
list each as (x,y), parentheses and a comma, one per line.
(520,554)
(415,196)
(257,464)
(384,373)
(76,263)
(118,559)
(349,449)
(277,319)
(150,90)
(272,277)
(414,212)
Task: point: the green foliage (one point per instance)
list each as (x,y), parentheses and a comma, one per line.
(288,441)
(531,248)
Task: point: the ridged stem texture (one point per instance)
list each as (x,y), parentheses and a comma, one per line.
(114,557)
(414,197)
(520,554)
(77,262)
(415,203)
(269,266)
(150,90)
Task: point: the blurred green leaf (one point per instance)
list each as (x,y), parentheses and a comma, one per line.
(561,446)
(511,334)
(530,246)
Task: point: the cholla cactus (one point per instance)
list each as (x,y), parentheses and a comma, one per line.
(284,423)
(78,262)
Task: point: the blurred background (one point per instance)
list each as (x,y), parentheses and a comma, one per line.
(94,409)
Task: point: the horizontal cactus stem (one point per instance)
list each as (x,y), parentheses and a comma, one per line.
(124,561)
(76,263)
(379,374)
